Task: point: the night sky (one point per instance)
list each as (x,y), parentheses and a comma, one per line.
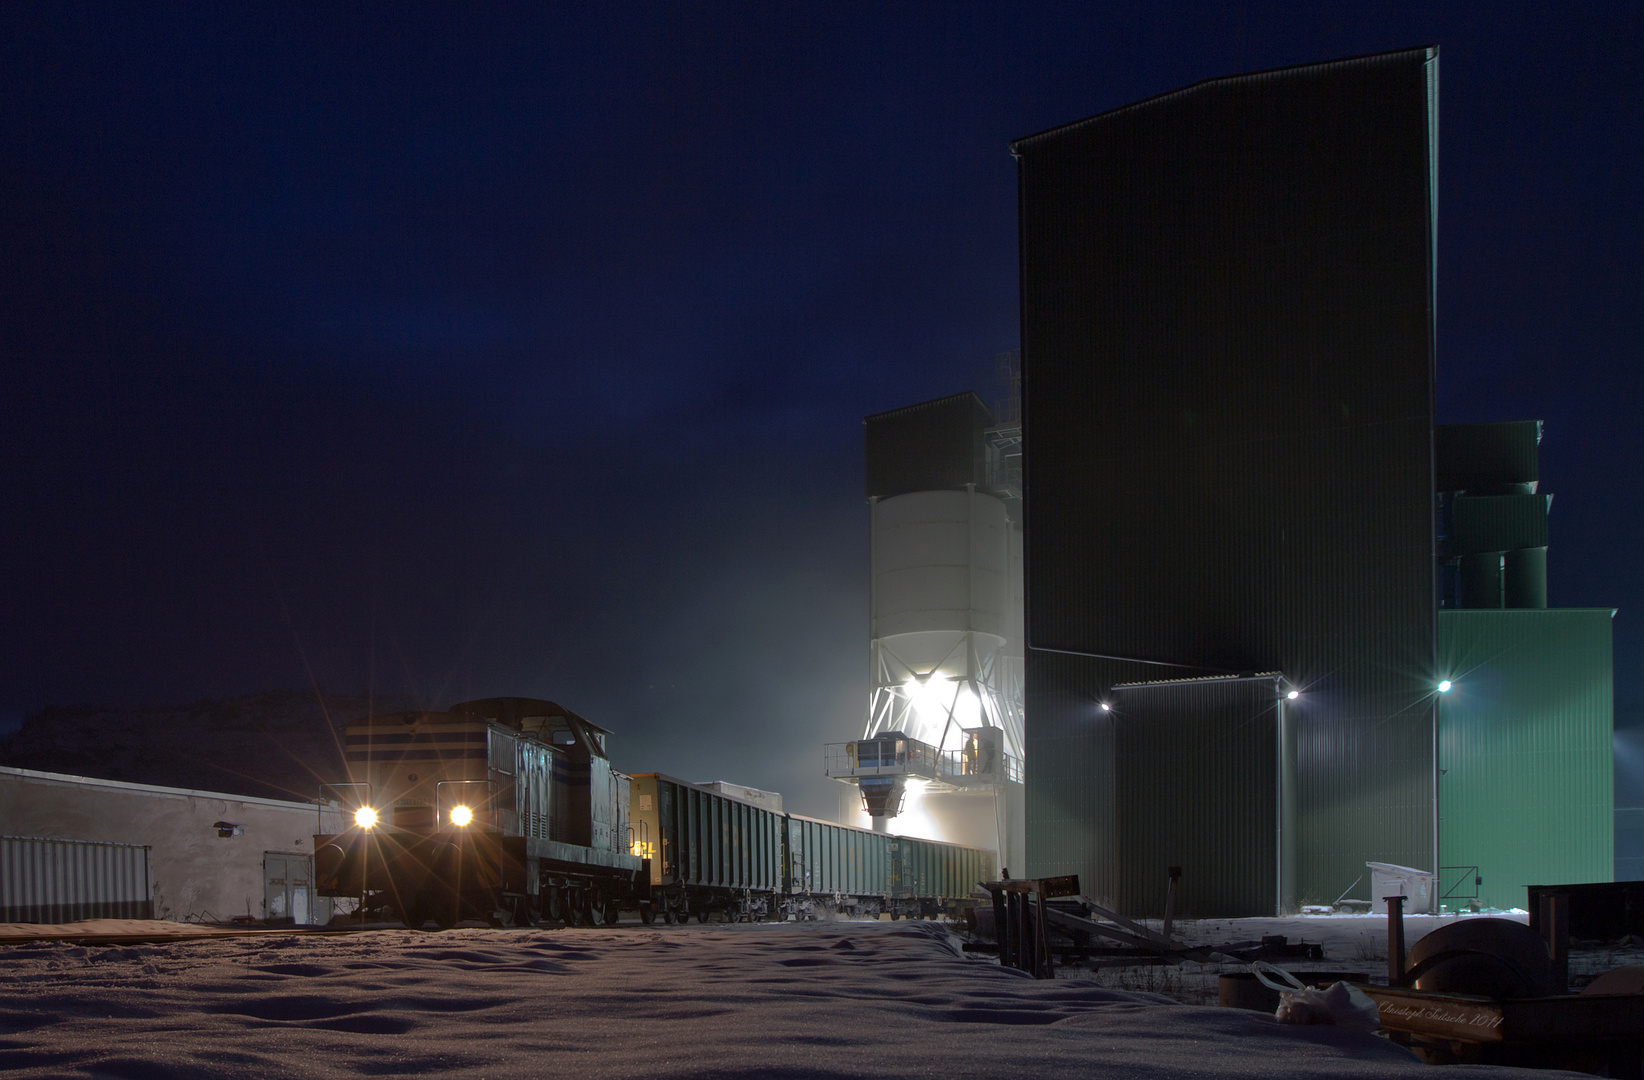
(466,349)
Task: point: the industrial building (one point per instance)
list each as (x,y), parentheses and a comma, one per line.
(944,714)
(1243,592)
(77,847)
(1526,769)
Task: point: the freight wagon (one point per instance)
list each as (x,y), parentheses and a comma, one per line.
(711,853)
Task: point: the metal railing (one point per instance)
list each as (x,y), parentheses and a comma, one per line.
(909,757)
(1467,878)
(343,798)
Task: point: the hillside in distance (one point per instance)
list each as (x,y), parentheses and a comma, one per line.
(276,745)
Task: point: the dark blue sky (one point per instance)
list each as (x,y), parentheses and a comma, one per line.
(473,349)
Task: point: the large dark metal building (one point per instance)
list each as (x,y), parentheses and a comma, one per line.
(1227,357)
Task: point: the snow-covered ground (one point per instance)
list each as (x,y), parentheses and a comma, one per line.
(832,999)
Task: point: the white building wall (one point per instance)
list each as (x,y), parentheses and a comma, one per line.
(198,875)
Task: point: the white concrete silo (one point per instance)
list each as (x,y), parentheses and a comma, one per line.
(944,717)
(946,566)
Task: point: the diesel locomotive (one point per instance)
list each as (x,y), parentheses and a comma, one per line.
(508,810)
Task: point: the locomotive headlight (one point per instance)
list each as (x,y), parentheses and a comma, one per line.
(365,817)
(461,816)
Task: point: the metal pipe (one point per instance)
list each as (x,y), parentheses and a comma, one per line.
(1395,939)
(1555,926)
(1174,873)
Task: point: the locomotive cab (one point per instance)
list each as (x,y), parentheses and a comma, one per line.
(501,808)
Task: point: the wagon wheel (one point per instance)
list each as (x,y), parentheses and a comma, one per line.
(553,904)
(596,905)
(447,910)
(576,908)
(668,915)
(647,914)
(416,911)
(613,911)
(524,914)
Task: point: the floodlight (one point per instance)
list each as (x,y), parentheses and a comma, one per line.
(1293,695)
(1444,686)
(365,817)
(461,816)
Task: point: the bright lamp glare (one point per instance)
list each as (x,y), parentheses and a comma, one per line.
(933,699)
(1293,695)
(461,815)
(1444,686)
(365,817)
(1106,707)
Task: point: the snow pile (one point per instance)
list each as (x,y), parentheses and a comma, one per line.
(810,1000)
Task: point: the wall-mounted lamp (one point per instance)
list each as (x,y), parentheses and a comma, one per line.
(1444,686)
(1293,695)
(1106,707)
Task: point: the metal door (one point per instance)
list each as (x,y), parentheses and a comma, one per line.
(288,888)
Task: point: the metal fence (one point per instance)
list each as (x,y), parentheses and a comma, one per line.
(58,881)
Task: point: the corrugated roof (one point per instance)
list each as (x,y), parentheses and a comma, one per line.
(153,789)
(1429,52)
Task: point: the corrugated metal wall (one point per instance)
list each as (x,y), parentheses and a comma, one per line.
(1629,839)
(1197,786)
(60,881)
(704,838)
(929,868)
(1227,386)
(843,859)
(1497,523)
(1525,742)
(723,842)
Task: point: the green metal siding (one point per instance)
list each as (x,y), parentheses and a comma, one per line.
(704,838)
(1497,523)
(929,868)
(1527,790)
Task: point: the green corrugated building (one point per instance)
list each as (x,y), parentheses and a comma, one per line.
(1526,785)
(1525,797)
